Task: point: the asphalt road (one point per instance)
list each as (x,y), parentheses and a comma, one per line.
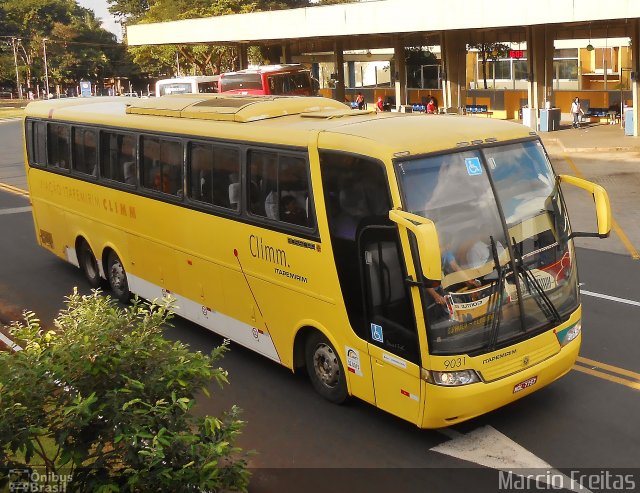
(303,443)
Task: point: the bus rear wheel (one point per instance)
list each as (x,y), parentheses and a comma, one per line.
(89,265)
(118,278)
(325,369)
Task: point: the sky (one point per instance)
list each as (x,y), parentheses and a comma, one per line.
(100,8)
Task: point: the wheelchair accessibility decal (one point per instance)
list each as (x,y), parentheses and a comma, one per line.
(376,333)
(474,167)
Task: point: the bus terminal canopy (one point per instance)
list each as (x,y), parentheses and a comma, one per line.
(368,24)
(397,24)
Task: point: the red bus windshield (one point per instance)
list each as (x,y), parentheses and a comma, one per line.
(281,83)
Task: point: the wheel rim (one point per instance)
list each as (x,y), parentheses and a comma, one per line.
(118,277)
(326,366)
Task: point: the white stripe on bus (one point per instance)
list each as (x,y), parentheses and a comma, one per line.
(254,338)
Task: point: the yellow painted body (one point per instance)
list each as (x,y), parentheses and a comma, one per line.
(204,258)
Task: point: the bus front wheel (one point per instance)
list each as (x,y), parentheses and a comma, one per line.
(89,265)
(325,368)
(118,278)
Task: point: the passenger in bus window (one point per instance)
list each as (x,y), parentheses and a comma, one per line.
(234,191)
(291,211)
(353,207)
(127,158)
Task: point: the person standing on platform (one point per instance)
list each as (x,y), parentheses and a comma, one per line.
(576,110)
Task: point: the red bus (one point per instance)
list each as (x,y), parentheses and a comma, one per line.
(293,80)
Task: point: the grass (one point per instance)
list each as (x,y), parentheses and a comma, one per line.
(11,113)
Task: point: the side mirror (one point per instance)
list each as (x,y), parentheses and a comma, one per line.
(427,239)
(601,199)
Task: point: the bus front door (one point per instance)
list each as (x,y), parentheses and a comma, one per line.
(392,334)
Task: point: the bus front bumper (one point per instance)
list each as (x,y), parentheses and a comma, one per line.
(446,406)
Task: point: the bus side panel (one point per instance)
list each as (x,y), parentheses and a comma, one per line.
(155,263)
(49,199)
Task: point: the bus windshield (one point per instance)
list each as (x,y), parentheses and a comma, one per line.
(175,88)
(503,233)
(240,81)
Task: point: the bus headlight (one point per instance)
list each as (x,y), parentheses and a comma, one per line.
(567,335)
(452,378)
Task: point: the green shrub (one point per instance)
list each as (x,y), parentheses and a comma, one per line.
(105,398)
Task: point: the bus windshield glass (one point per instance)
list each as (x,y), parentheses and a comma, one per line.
(240,81)
(506,259)
(175,88)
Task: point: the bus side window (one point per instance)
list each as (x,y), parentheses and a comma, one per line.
(226,170)
(214,172)
(40,143)
(162,165)
(58,141)
(150,160)
(171,166)
(262,184)
(118,157)
(200,158)
(84,150)
(293,185)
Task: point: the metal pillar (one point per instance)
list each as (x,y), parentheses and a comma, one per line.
(454,51)
(635,54)
(339,61)
(400,67)
(46,68)
(286,53)
(15,61)
(243,57)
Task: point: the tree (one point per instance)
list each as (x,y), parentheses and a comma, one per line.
(489,51)
(108,400)
(421,65)
(201,59)
(77,46)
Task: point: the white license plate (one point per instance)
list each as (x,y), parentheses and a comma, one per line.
(526,384)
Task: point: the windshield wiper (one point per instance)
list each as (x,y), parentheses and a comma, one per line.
(495,305)
(530,279)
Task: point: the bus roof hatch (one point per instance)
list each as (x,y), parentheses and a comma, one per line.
(237,108)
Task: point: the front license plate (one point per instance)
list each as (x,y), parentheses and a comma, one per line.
(527,383)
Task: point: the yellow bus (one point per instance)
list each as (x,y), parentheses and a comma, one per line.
(423,264)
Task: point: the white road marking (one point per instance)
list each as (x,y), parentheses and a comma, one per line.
(10,344)
(15,210)
(490,448)
(610,298)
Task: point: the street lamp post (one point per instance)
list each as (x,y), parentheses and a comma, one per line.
(15,61)
(46,69)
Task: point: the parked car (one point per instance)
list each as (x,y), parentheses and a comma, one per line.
(131,94)
(6,95)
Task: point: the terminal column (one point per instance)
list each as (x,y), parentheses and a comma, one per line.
(454,55)
(400,73)
(635,74)
(243,58)
(536,42)
(339,63)
(286,53)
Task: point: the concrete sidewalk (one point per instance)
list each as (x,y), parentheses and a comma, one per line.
(601,153)
(591,137)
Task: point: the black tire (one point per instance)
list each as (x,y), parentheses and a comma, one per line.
(89,265)
(117,277)
(325,369)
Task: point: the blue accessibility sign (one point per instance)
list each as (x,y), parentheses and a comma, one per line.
(473,166)
(376,333)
